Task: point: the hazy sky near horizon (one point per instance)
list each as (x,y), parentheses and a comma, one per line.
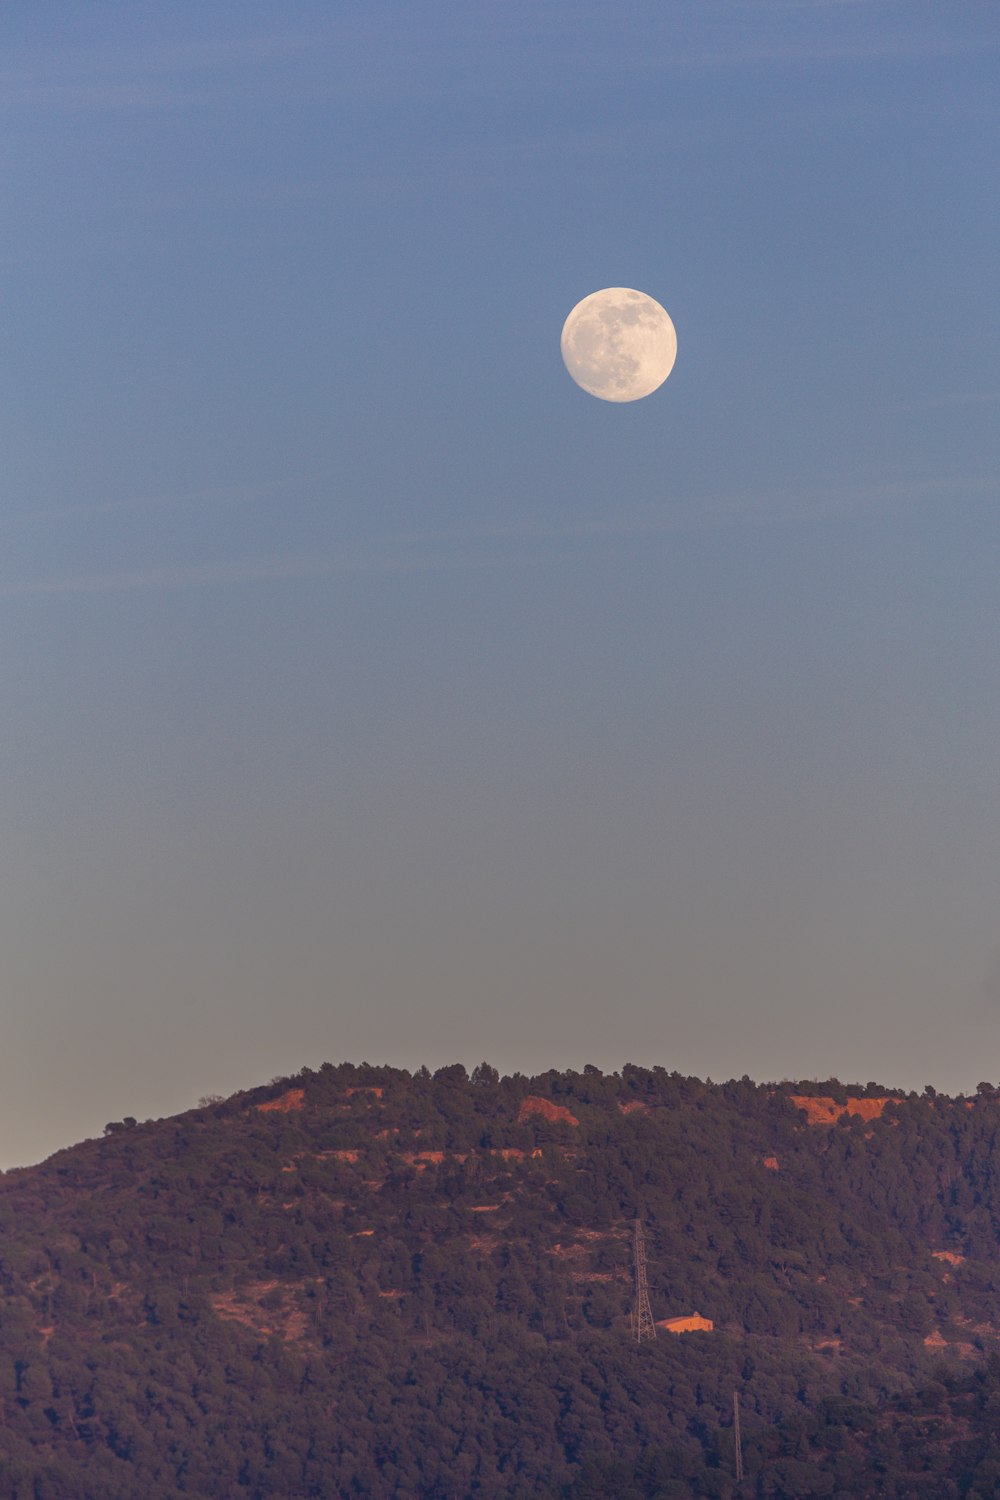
(369,690)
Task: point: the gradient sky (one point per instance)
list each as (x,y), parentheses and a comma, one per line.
(369,691)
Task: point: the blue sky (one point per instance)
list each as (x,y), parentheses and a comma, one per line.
(370,690)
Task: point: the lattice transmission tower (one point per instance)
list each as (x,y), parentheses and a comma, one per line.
(643,1326)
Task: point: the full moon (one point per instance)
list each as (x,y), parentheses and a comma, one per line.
(619,344)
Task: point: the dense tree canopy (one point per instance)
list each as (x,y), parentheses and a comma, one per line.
(359,1281)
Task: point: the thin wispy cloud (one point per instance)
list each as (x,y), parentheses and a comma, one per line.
(219,495)
(156,76)
(952,399)
(736,509)
(877,49)
(398,62)
(199,575)
(520,541)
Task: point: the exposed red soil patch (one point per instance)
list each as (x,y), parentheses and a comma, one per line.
(935,1340)
(514,1153)
(534,1105)
(979,1329)
(365,1089)
(285,1320)
(823,1111)
(633,1107)
(485,1208)
(869,1109)
(951,1256)
(771,1163)
(285,1103)
(421,1160)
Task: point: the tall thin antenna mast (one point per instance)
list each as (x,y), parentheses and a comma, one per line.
(737,1439)
(643,1326)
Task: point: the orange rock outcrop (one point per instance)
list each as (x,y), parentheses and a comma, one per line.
(285,1103)
(951,1256)
(534,1105)
(823,1111)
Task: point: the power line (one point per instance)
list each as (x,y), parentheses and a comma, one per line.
(737,1439)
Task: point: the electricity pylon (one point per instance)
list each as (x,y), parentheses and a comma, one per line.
(643,1326)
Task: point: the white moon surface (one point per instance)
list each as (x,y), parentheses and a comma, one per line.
(619,344)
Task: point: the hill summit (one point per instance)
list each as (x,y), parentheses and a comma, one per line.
(362,1281)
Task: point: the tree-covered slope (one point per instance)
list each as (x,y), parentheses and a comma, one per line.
(359,1281)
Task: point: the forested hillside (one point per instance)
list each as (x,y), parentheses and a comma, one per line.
(362,1282)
